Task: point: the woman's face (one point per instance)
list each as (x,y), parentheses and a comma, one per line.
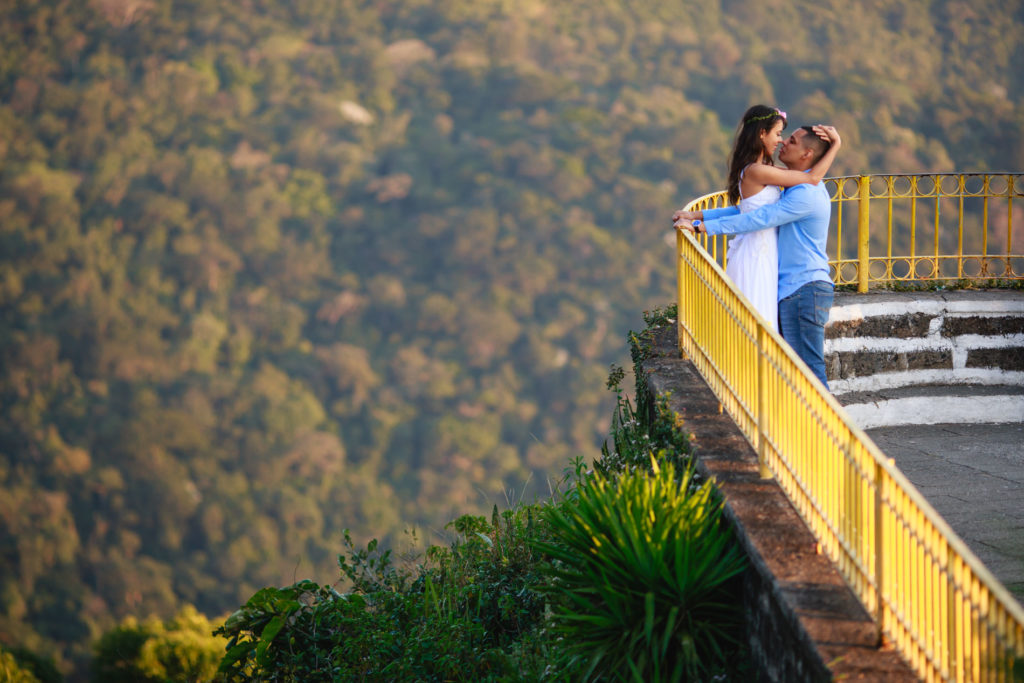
(771,139)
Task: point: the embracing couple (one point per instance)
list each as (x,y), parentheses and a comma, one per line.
(781,218)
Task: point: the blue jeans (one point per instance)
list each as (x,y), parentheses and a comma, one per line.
(802,318)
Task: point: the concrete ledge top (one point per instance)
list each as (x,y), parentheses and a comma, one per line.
(1013,296)
(848,306)
(932,391)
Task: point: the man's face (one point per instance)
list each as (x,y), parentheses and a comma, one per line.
(793,147)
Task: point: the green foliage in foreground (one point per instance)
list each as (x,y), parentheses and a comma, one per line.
(20,665)
(468,612)
(11,671)
(179,650)
(628,577)
(650,427)
(642,577)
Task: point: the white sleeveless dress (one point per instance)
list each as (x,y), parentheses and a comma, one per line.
(753,259)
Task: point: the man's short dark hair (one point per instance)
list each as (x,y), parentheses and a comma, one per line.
(815,144)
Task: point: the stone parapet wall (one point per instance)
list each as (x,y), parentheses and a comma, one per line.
(894,339)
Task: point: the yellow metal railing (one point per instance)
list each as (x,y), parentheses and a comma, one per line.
(966,227)
(930,596)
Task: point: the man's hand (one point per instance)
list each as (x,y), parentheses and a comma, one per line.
(828,134)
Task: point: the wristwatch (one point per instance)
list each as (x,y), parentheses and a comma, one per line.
(696,226)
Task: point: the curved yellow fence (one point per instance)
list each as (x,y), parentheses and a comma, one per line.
(919,229)
(931,597)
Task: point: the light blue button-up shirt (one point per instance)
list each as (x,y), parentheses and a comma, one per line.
(802,215)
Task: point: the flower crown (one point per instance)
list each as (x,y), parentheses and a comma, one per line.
(777,112)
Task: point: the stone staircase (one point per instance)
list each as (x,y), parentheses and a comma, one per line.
(943,357)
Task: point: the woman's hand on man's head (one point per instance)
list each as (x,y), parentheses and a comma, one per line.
(828,134)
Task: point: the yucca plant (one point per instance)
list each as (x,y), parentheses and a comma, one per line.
(641,578)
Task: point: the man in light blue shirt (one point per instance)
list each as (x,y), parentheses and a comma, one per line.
(802,214)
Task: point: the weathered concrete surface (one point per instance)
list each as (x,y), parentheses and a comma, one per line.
(804,621)
(973,475)
(902,326)
(964,302)
(932,391)
(847,364)
(886,339)
(1005,359)
(976,324)
(935,404)
(960,340)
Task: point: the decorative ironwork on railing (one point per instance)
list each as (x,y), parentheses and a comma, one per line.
(930,596)
(923,228)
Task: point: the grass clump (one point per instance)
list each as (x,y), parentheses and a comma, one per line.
(643,571)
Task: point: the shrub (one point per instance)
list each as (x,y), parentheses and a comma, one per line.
(11,671)
(470,611)
(650,429)
(635,438)
(180,649)
(642,577)
(41,667)
(289,634)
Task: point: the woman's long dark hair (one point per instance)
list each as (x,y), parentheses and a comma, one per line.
(747,147)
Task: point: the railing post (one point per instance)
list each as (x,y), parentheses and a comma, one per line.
(863,214)
(762,403)
(879,550)
(680,304)
(1010,191)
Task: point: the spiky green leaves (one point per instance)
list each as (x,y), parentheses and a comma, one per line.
(642,576)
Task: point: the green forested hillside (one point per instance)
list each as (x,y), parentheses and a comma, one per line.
(269,270)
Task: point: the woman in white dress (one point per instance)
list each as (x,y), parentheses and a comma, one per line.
(752,260)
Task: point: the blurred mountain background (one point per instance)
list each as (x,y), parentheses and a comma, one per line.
(270,270)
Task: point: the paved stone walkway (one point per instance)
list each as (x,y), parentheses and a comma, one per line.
(973,475)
